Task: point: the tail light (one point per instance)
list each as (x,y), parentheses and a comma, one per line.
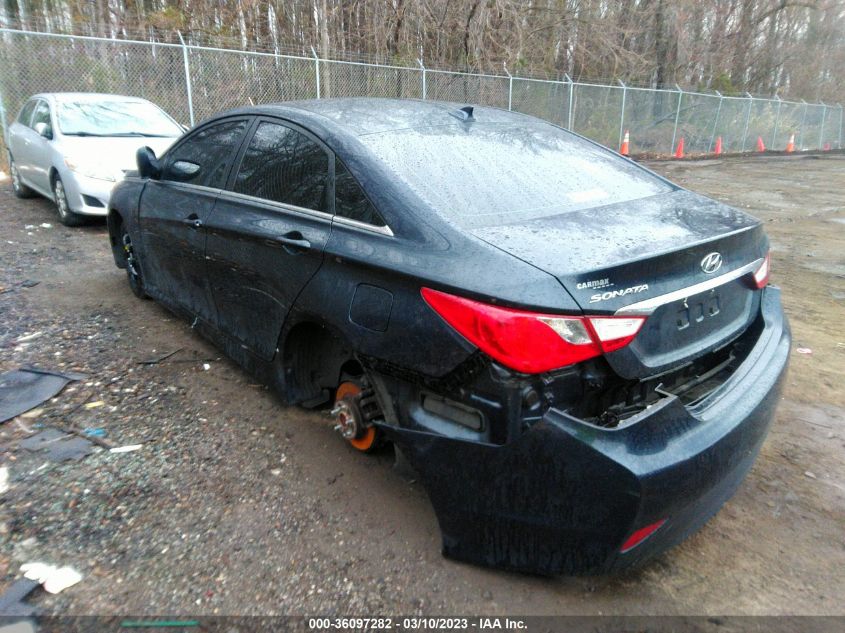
(761,275)
(532,342)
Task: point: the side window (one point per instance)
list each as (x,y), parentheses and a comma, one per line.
(202,159)
(350,200)
(42,113)
(26,112)
(283,165)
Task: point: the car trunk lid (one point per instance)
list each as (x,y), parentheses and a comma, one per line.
(650,256)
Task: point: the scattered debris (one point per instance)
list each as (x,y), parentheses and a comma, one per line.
(46,225)
(20,626)
(29,283)
(4,479)
(156,361)
(29,337)
(94,432)
(206,366)
(40,441)
(126,449)
(94,405)
(60,446)
(807,473)
(804,350)
(24,389)
(53,579)
(12,600)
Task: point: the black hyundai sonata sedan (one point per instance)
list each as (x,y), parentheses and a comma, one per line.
(579,358)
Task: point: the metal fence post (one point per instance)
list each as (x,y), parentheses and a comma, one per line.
(821,127)
(801,127)
(840,126)
(571,101)
(316,69)
(510,86)
(4,122)
(777,122)
(677,117)
(187,78)
(715,122)
(747,120)
(622,116)
(419,61)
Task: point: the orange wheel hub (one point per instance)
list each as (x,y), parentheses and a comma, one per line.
(367,439)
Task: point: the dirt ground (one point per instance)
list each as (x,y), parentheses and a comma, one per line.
(236,505)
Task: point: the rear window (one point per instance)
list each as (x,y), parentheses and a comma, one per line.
(488,174)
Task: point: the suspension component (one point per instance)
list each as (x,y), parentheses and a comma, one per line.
(354,410)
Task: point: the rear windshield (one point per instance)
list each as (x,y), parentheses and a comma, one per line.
(488,174)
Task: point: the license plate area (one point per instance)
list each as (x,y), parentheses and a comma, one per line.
(697,310)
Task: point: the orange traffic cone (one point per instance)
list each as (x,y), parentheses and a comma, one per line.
(790,146)
(718,145)
(760,146)
(625,143)
(679,153)
(826,147)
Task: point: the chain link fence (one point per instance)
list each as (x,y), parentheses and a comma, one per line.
(193,82)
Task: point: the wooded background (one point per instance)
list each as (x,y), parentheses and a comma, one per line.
(791,48)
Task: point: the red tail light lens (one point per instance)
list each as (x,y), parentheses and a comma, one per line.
(640,535)
(532,342)
(761,276)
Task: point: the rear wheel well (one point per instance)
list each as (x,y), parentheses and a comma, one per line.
(314,359)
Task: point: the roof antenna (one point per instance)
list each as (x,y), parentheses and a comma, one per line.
(464,114)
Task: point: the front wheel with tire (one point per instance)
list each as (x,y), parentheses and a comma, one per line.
(20,189)
(133,268)
(66,216)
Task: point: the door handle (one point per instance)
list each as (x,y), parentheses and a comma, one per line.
(194,221)
(294,240)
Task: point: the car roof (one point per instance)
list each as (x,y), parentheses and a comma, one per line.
(370,115)
(86,96)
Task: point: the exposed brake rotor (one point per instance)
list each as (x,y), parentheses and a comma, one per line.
(354,410)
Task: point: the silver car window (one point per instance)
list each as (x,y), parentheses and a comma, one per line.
(25,116)
(41,114)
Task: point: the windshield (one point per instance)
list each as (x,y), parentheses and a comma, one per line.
(114,118)
(489,174)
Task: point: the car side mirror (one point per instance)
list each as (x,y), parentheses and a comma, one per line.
(44,129)
(148,165)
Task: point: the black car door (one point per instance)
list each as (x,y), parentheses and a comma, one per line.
(268,230)
(174,208)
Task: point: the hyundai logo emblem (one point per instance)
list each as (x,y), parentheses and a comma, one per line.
(711,263)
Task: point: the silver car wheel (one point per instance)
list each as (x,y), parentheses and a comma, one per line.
(61,198)
(16,177)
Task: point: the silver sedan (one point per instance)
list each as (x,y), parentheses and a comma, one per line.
(74,147)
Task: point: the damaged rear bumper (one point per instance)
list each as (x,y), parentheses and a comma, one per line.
(564,497)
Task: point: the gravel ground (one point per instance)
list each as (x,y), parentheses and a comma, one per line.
(237,505)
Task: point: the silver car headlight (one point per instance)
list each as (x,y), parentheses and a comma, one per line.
(89,169)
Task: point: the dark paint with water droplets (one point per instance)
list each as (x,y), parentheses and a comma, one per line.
(536,489)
